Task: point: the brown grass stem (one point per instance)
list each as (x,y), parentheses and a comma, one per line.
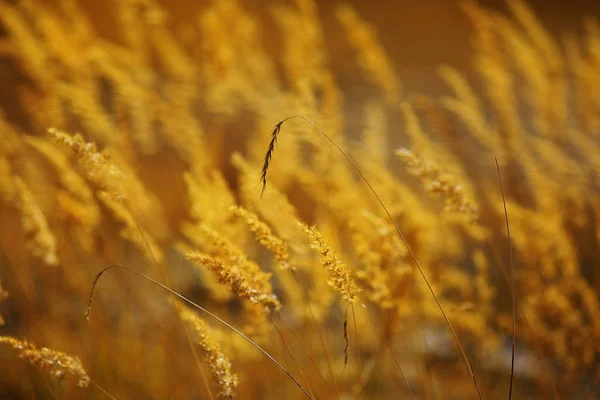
(358,359)
(389,346)
(531,331)
(303,348)
(327,356)
(346,340)
(512,276)
(287,348)
(104,391)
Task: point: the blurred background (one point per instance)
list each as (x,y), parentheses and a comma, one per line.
(417,36)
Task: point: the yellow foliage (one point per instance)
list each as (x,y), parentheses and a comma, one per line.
(174,109)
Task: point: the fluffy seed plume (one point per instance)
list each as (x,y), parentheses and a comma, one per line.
(99,166)
(340,278)
(440,184)
(217,361)
(264,235)
(57,364)
(243,279)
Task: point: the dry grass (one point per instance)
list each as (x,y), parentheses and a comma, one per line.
(324,267)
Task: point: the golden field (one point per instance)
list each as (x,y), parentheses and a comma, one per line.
(288,212)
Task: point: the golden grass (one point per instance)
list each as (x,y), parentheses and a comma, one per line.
(147,150)
(57,364)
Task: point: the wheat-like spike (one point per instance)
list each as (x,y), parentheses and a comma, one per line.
(243,275)
(99,166)
(268,155)
(218,362)
(264,235)
(340,278)
(438,183)
(252,285)
(58,364)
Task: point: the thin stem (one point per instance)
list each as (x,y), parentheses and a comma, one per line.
(100,388)
(303,347)
(329,364)
(538,346)
(512,276)
(358,359)
(287,348)
(387,343)
(199,308)
(427,347)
